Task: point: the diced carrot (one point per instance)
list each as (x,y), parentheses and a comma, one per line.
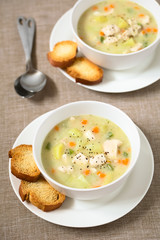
(96,186)
(111,5)
(101,33)
(106,9)
(141,15)
(143,31)
(86,172)
(148,29)
(53,170)
(100,174)
(95,130)
(119,161)
(56,128)
(122,30)
(136,7)
(94,8)
(125,161)
(72,144)
(84,121)
(155,30)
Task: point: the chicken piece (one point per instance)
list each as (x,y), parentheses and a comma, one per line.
(110,40)
(64,158)
(93,170)
(133,24)
(96,13)
(69,169)
(97,160)
(65,169)
(134,30)
(110,30)
(111,148)
(131,31)
(125,35)
(62,169)
(144,20)
(80,159)
(137,47)
(131,21)
(88,134)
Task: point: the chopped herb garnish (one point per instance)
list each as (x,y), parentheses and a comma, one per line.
(125,154)
(48,146)
(109,134)
(110,167)
(130,10)
(145,44)
(70,151)
(101,39)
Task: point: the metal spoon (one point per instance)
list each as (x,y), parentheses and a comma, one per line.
(33,81)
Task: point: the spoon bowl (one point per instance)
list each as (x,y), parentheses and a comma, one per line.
(28,84)
(33,81)
(21,91)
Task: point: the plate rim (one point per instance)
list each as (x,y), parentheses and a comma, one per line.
(42,214)
(93,88)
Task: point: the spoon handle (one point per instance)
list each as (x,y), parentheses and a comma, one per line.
(26,29)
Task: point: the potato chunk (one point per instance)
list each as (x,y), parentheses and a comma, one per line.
(58,151)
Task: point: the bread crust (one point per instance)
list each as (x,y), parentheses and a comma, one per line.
(22,163)
(62,65)
(59,59)
(33,195)
(85,72)
(86,82)
(33,188)
(24,176)
(19,148)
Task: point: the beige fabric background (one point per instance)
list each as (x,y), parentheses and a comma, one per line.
(143,106)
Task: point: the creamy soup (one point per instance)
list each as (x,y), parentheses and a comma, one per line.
(86,151)
(117,26)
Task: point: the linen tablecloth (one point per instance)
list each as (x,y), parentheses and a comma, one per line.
(143,106)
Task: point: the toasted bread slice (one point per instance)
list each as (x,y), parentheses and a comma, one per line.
(19,148)
(85,72)
(63,54)
(23,165)
(41,194)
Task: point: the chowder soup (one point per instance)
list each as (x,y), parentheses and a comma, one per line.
(117,26)
(86,151)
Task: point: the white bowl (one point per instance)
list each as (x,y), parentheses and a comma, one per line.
(115,61)
(95,108)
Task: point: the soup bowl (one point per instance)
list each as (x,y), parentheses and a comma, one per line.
(115,61)
(95,108)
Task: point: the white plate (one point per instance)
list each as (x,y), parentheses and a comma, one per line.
(76,213)
(113,81)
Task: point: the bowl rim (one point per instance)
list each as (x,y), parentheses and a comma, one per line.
(105,53)
(44,173)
